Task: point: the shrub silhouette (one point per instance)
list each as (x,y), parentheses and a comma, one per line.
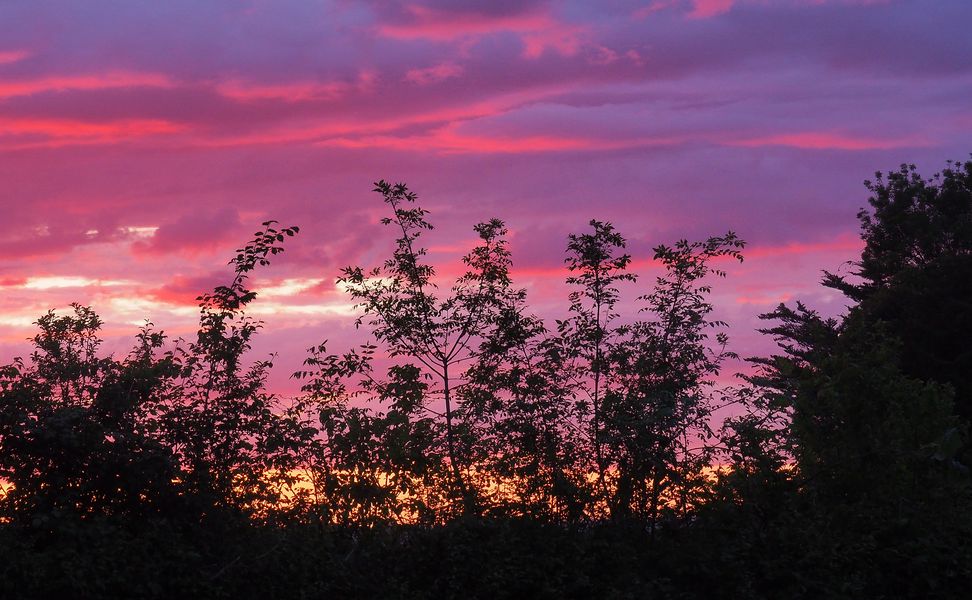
(467,448)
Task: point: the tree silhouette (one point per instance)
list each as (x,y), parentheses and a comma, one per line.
(222,420)
(470,450)
(597,268)
(78,432)
(876,429)
(915,272)
(658,412)
(401,308)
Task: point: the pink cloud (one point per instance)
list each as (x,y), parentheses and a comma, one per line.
(54,133)
(653,7)
(194,233)
(698,9)
(764,299)
(563,39)
(830,141)
(433,74)
(296,91)
(352,131)
(11,56)
(62,128)
(704,9)
(287,92)
(100,81)
(539,31)
(32,247)
(843,244)
(438,25)
(12,281)
(183,290)
(452,139)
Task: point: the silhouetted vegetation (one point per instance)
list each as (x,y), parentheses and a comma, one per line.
(468,448)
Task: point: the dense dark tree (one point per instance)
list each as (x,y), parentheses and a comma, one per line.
(369,465)
(915,272)
(876,399)
(910,318)
(181,432)
(79,432)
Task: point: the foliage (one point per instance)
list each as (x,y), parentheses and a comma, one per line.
(469,450)
(877,400)
(915,272)
(400,306)
(657,415)
(79,433)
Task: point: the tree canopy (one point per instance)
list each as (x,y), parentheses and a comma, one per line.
(468,447)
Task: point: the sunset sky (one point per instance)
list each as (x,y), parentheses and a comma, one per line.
(142,142)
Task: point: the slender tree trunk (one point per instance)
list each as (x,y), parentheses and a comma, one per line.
(467,501)
(596,434)
(598,451)
(653,518)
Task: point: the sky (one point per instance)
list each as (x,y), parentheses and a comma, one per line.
(142,142)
